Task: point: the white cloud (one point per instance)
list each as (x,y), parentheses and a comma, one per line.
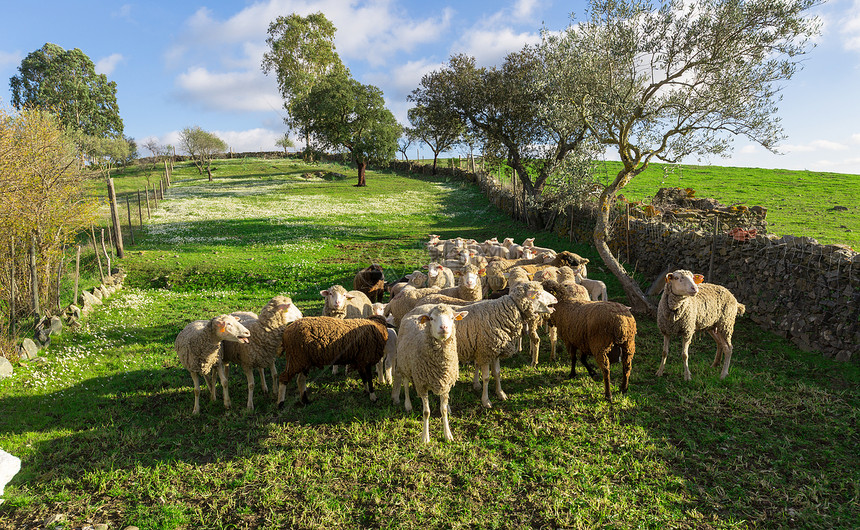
(8,59)
(489,46)
(108,64)
(230,91)
(525,8)
(849,27)
(855,138)
(252,140)
(814,146)
(749,149)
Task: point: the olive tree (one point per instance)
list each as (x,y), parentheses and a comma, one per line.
(677,80)
(341,113)
(201,146)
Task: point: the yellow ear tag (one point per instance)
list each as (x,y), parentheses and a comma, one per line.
(532,295)
(698,278)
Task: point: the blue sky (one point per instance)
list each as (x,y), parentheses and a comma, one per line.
(185,63)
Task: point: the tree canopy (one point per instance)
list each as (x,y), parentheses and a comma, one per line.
(675,81)
(341,113)
(437,125)
(65,83)
(201,146)
(301,53)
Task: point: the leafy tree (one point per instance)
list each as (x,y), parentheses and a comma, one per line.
(43,198)
(407,138)
(676,81)
(437,125)
(507,107)
(341,113)
(285,142)
(301,53)
(103,154)
(201,146)
(65,83)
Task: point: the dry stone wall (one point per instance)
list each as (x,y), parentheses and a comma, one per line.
(793,286)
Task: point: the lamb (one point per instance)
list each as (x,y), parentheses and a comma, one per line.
(322,341)
(606,330)
(198,348)
(439,276)
(264,344)
(596,288)
(427,356)
(530,243)
(378,309)
(489,332)
(574,292)
(370,281)
(688,305)
(342,304)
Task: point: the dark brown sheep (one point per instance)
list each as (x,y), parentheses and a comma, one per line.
(314,342)
(606,330)
(370,281)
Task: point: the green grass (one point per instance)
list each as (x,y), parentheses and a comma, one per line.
(105,432)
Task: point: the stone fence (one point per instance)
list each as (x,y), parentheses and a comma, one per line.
(793,286)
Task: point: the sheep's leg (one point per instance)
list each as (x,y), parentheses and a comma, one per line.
(249,375)
(302,382)
(282,394)
(626,366)
(497,373)
(534,342)
(602,359)
(583,358)
(407,403)
(274,371)
(334,368)
(445,409)
(571,349)
(367,377)
(476,382)
(724,346)
(553,341)
(209,379)
(196,379)
(395,388)
(485,375)
(425,413)
(666,340)
(685,356)
(263,380)
(226,391)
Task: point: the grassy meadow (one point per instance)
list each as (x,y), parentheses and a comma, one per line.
(104,429)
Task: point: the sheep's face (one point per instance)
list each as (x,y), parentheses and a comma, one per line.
(228,328)
(470,279)
(417,279)
(335,298)
(529,242)
(440,321)
(433,270)
(528,253)
(378,309)
(684,283)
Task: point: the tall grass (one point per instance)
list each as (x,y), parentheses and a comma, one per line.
(104,427)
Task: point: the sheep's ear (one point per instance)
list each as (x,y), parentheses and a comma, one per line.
(284,307)
(482,272)
(350,296)
(669,277)
(221,325)
(698,278)
(425,266)
(458,273)
(460,315)
(324,293)
(423,319)
(532,294)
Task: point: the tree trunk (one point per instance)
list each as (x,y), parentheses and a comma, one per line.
(638,302)
(435,159)
(209,170)
(34,280)
(361,178)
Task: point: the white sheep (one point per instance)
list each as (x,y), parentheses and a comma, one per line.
(596,288)
(198,348)
(530,243)
(490,331)
(439,276)
(416,279)
(688,305)
(340,303)
(427,357)
(264,344)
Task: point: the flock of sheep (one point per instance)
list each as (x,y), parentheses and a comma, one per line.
(472,306)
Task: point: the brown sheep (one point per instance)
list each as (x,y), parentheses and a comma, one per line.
(370,281)
(315,342)
(606,330)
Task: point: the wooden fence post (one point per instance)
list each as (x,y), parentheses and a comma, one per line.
(96,251)
(107,254)
(167,172)
(12,290)
(34,280)
(128,209)
(154,196)
(60,275)
(139,211)
(77,275)
(114,213)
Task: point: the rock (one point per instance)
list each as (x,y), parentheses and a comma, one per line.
(5,368)
(74,311)
(57,518)
(90,299)
(56,325)
(29,349)
(100,526)
(98,294)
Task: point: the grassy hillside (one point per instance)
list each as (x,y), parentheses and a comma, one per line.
(104,427)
